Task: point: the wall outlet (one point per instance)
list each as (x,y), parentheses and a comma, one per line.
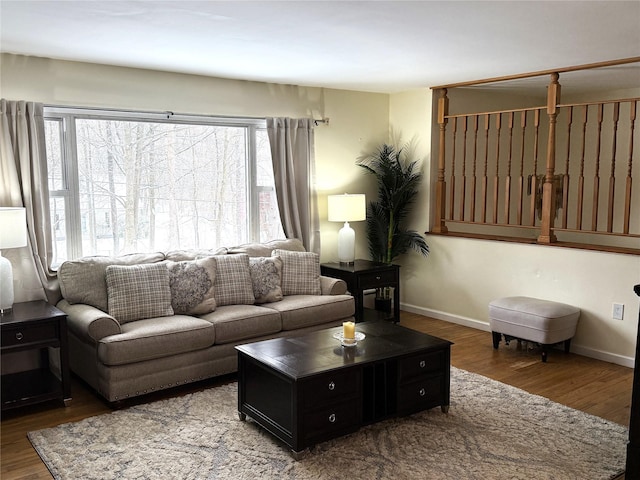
(618,311)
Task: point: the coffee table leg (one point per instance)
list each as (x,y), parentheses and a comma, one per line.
(242,416)
(444,408)
(299,455)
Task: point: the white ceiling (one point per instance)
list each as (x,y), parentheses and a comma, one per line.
(382,46)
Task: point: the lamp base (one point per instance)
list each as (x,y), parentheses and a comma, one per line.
(346,244)
(6,285)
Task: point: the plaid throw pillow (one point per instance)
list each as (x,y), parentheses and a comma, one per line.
(300,272)
(232,285)
(135,292)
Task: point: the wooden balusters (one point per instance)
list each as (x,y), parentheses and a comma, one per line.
(496,178)
(612,176)
(475,162)
(585,118)
(596,177)
(565,178)
(483,197)
(507,185)
(441,188)
(463,187)
(533,180)
(627,196)
(523,125)
(452,177)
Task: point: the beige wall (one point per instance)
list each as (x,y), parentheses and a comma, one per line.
(460,276)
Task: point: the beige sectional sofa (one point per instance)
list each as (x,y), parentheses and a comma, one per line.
(145,322)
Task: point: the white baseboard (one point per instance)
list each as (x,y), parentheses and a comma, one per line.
(480,325)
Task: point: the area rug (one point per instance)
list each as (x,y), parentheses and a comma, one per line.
(492,431)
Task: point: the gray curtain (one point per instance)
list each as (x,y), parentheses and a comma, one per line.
(24,183)
(293,159)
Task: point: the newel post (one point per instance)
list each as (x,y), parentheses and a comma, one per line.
(548,189)
(441,187)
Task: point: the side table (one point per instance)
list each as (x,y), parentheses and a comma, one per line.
(364,275)
(33,326)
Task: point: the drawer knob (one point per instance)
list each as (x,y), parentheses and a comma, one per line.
(332,386)
(422,392)
(19,336)
(332,418)
(378,277)
(423,364)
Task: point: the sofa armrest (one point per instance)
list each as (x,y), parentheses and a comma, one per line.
(332,286)
(88,323)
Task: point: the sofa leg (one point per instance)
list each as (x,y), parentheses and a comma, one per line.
(496,339)
(544,353)
(567,346)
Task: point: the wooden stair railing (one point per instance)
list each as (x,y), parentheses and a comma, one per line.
(487,179)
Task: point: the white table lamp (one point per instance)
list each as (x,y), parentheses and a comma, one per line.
(347,208)
(13,234)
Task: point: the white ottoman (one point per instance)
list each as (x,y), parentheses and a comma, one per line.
(534,320)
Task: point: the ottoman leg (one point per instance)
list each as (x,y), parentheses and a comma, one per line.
(544,353)
(496,339)
(567,346)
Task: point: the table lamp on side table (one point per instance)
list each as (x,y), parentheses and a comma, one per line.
(347,208)
(13,234)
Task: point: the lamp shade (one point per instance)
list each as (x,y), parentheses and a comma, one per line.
(13,227)
(347,208)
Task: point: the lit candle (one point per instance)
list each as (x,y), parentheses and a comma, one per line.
(349,330)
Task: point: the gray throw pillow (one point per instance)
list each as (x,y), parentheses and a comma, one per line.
(192,286)
(266,277)
(300,272)
(232,285)
(136,292)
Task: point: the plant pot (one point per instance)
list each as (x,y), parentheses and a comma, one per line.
(383,304)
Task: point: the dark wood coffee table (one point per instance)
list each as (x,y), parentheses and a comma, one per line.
(309,389)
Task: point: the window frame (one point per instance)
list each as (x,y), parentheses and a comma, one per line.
(70,191)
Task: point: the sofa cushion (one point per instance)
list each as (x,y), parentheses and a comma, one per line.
(300,272)
(192,254)
(192,285)
(298,311)
(233,280)
(266,278)
(84,281)
(155,338)
(138,291)
(265,249)
(241,322)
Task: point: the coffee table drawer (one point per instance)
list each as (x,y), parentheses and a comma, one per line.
(420,364)
(331,388)
(421,394)
(327,421)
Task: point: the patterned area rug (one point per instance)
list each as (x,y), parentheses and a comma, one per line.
(492,431)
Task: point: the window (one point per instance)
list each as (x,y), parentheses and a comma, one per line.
(124,182)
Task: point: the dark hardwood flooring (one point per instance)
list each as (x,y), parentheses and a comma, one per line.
(593,386)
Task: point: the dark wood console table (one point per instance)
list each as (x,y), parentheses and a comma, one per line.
(633,447)
(35,326)
(309,389)
(365,275)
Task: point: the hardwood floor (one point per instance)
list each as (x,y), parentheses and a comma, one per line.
(593,386)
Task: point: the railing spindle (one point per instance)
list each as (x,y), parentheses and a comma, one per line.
(596,177)
(474,178)
(565,178)
(534,180)
(487,119)
(585,119)
(463,187)
(612,175)
(523,124)
(441,187)
(496,179)
(627,197)
(452,177)
(507,185)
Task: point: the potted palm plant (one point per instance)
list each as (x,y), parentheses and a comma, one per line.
(398,179)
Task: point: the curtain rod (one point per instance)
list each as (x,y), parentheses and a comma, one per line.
(324,121)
